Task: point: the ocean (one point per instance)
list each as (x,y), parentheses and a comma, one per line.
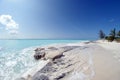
(16,56)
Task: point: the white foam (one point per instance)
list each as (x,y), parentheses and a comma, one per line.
(34,69)
(13,64)
(9,63)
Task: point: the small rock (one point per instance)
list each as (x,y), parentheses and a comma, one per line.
(41,77)
(39,54)
(61,76)
(58,56)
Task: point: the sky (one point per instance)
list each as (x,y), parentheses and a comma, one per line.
(58,19)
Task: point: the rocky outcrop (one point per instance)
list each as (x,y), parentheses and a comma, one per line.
(63,62)
(51,52)
(51,70)
(39,53)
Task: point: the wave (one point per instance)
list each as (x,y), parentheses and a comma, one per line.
(15,63)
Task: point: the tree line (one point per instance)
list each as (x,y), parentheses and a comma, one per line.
(114,35)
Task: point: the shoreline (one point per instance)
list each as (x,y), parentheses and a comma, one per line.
(83,62)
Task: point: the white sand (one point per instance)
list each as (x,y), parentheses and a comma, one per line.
(107,67)
(106,60)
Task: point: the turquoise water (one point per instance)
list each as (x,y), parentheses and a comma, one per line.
(16,56)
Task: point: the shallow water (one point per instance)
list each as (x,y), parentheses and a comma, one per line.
(16,56)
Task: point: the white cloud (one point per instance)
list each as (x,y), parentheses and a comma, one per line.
(10,25)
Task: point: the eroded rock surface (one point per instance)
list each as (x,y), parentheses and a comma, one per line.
(51,52)
(64,61)
(57,62)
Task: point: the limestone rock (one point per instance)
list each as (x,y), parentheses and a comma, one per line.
(39,53)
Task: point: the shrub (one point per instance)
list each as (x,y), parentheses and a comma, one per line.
(117,39)
(113,33)
(118,34)
(110,38)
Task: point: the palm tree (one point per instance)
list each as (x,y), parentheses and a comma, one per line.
(113,33)
(118,34)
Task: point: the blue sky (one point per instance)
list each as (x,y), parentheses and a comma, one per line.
(59,19)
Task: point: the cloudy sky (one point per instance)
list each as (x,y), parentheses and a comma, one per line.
(58,19)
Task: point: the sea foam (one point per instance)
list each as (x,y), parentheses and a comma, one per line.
(14,64)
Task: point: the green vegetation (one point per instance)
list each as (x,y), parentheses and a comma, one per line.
(118,34)
(113,36)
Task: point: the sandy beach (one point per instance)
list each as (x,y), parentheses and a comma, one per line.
(106,61)
(96,60)
(59,39)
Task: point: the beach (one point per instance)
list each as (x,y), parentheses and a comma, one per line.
(92,60)
(59,39)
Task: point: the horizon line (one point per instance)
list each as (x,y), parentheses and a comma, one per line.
(44,39)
